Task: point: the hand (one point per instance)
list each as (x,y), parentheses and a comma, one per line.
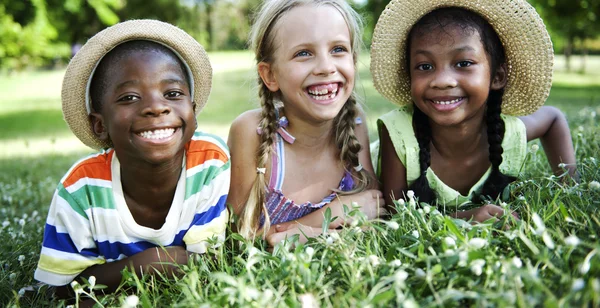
(161,259)
(483,213)
(370,201)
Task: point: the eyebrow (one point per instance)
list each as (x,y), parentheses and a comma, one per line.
(459,49)
(164,81)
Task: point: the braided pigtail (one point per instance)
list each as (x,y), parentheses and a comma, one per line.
(497,181)
(255,206)
(423,133)
(347,143)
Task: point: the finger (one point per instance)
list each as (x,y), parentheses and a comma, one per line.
(495,211)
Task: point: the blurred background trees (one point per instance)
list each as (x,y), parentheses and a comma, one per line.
(42,33)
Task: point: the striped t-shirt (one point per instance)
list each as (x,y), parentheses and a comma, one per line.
(89,222)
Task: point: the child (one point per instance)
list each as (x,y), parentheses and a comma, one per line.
(305,150)
(461,74)
(157,191)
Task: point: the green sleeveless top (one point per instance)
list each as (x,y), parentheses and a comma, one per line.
(399,125)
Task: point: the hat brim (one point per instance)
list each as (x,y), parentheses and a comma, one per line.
(75,88)
(528,49)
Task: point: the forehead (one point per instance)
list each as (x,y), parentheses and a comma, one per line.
(145,60)
(308,24)
(449,35)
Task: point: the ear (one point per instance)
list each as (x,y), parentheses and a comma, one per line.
(97,122)
(194,107)
(500,78)
(265,72)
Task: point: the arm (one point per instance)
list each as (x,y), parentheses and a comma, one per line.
(393,172)
(550,125)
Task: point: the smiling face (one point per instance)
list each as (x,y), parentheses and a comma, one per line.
(146,108)
(451,75)
(313,66)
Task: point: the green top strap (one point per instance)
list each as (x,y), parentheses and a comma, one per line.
(399,125)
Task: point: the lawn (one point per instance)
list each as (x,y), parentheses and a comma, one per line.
(551,257)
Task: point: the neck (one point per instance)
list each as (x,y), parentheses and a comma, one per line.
(459,140)
(152,185)
(313,136)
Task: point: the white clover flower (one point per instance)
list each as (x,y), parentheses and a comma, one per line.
(22,222)
(516,261)
(593,160)
(578,285)
(401,202)
(572,240)
(21,258)
(393,225)
(410,303)
(503,204)
(5,223)
(534,148)
(357,229)
(511,235)
(12,276)
(76,287)
(252,293)
(477,243)
(521,198)
(562,165)
(309,251)
(395,263)
(569,219)
(449,241)
(426,209)
(548,240)
(374,260)
(335,236)
(92,282)
(449,252)
(131,301)
(593,114)
(354,204)
(463,257)
(329,240)
(412,204)
(415,233)
(401,276)
(410,194)
(420,273)
(539,224)
(477,266)
(436,213)
(34,214)
(420,211)
(594,185)
(267,294)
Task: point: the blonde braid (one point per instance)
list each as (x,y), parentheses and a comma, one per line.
(255,205)
(346,141)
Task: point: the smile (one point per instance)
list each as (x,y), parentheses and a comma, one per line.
(323,92)
(157,134)
(454,101)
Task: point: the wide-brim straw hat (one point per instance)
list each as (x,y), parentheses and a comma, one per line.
(76,101)
(528,49)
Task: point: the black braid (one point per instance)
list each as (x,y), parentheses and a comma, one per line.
(423,133)
(497,181)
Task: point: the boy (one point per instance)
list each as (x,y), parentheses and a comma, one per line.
(157,191)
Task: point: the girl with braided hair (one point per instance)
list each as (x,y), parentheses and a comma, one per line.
(306,149)
(462,75)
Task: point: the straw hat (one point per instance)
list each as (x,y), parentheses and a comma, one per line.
(527,45)
(76,102)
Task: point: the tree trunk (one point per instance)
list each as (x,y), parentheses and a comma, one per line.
(584,55)
(568,51)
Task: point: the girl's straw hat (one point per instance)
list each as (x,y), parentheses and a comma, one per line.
(527,45)
(76,102)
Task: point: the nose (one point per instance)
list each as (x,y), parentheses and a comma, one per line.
(156,105)
(325,65)
(443,79)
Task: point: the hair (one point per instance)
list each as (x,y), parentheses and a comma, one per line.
(100,80)
(468,22)
(262,41)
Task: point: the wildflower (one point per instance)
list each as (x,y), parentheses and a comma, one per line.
(463,256)
(21,258)
(253,251)
(395,263)
(596,285)
(562,165)
(76,287)
(34,214)
(449,252)
(477,243)
(436,213)
(354,205)
(539,224)
(548,240)
(21,222)
(511,235)
(393,225)
(426,209)
(401,201)
(415,233)
(410,303)
(131,301)
(420,212)
(252,293)
(578,284)
(267,294)
(521,198)
(477,266)
(309,251)
(12,276)
(534,148)
(593,160)
(5,224)
(516,261)
(569,219)
(410,194)
(412,203)
(401,276)
(374,260)
(594,185)
(420,273)
(329,240)
(308,300)
(449,241)
(572,240)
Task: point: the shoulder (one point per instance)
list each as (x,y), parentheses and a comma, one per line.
(205,148)
(95,167)
(403,113)
(243,135)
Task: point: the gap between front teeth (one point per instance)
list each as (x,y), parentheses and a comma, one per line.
(158,134)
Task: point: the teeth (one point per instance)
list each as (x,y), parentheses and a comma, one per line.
(447,102)
(324,97)
(158,134)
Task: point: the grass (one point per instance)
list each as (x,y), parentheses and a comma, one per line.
(551,257)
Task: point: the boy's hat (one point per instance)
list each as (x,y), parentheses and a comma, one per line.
(76,101)
(528,49)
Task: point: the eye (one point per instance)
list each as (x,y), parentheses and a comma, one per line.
(173,94)
(424,67)
(339,49)
(128,98)
(302,53)
(464,64)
